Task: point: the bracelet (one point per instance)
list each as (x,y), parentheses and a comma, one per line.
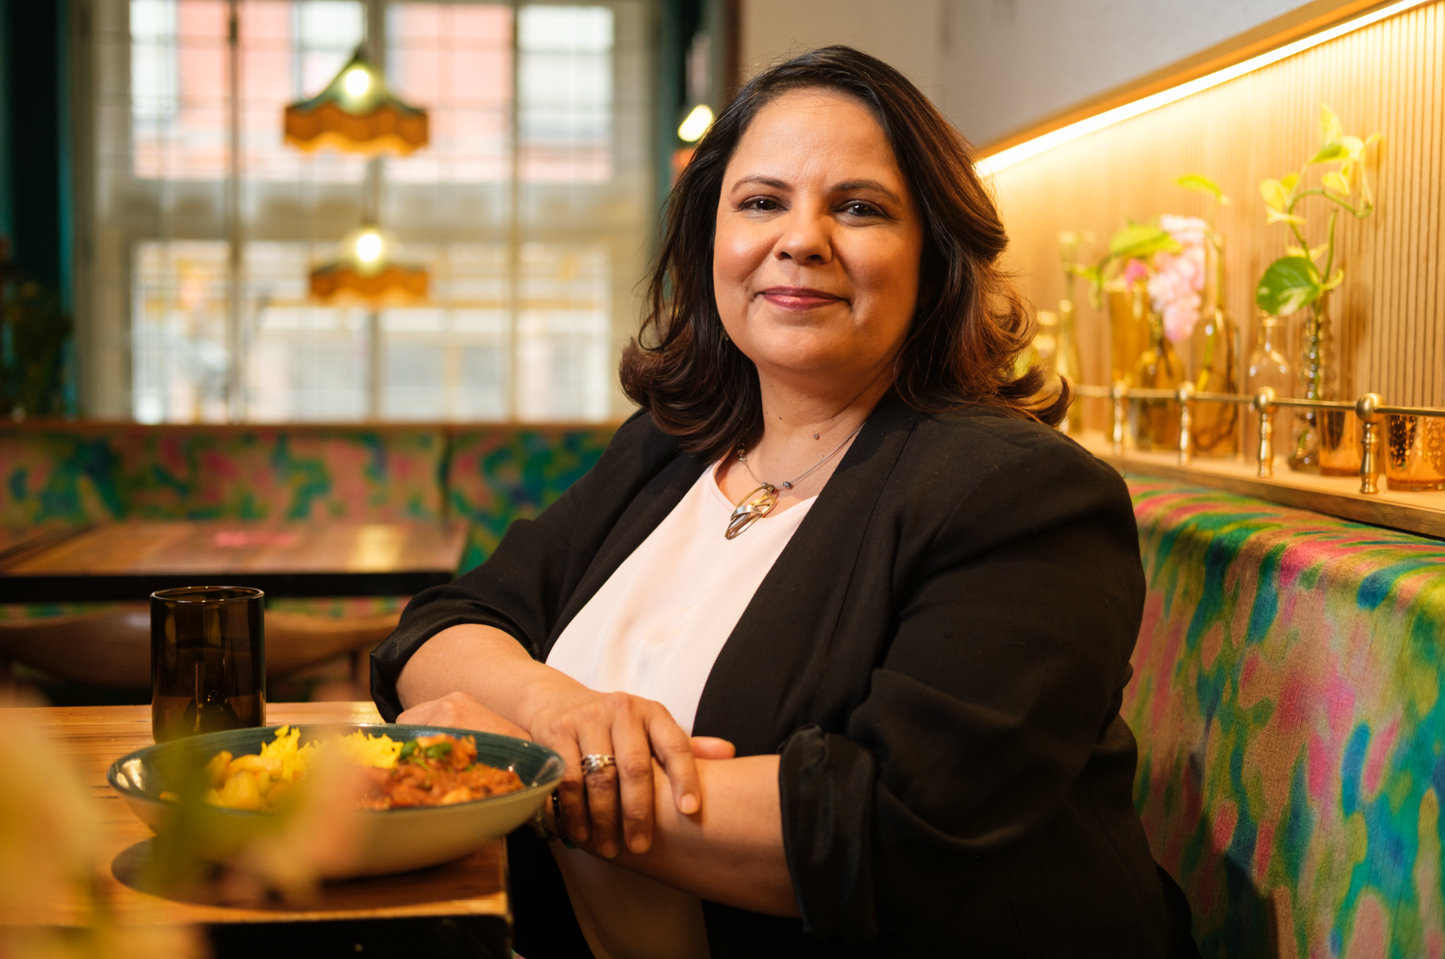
(561,826)
(539,826)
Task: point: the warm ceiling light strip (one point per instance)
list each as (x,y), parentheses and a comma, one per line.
(1032,148)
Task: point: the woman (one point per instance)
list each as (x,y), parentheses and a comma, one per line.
(840,548)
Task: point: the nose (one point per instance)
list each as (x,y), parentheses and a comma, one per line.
(806,238)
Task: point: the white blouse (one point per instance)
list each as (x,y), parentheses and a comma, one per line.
(654,629)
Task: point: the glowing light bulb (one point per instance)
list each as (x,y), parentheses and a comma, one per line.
(357,81)
(696,124)
(368,246)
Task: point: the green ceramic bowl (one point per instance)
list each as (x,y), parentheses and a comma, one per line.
(393,840)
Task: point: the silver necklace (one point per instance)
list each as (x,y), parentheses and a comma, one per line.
(760,501)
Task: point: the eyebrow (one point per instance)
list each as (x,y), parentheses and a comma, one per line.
(843,187)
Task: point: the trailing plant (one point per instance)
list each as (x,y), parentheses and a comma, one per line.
(1305,274)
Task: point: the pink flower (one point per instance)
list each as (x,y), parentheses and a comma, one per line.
(1188,230)
(1135,271)
(1176,286)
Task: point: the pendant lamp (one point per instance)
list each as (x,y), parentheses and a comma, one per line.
(366,276)
(356,113)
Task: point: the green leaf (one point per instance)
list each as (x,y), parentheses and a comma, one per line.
(1332,151)
(1318,251)
(1274,194)
(1295,251)
(1289,284)
(1141,241)
(1279,216)
(1201,183)
(1333,281)
(1353,145)
(1336,182)
(1330,128)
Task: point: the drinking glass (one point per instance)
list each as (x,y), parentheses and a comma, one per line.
(208,660)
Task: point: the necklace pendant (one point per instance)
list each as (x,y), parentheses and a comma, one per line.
(751,508)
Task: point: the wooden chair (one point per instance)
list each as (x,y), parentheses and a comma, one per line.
(112,647)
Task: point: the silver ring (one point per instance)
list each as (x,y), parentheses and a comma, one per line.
(596,762)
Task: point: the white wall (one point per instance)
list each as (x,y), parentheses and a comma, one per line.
(996,65)
(904,33)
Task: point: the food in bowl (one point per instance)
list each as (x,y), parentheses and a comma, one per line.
(435,770)
(389,840)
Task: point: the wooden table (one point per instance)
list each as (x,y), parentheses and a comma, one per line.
(118,561)
(460,908)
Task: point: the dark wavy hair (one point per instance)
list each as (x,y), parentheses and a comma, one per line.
(971,323)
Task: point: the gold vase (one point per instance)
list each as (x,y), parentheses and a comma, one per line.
(1156,426)
(1214,429)
(1128,328)
(1414,452)
(1339,443)
(1067,365)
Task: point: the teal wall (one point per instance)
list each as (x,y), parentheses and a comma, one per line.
(34,131)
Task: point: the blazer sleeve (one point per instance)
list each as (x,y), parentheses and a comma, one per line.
(1014,628)
(519,589)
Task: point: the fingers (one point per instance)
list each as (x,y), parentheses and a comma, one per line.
(615,804)
(634,778)
(600,789)
(571,792)
(460,710)
(711,747)
(673,749)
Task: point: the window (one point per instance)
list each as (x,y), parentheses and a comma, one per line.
(531,213)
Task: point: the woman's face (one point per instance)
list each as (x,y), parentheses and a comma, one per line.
(818,243)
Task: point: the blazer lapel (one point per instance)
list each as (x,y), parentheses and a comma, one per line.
(778,651)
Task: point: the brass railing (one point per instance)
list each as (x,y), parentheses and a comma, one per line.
(1370,408)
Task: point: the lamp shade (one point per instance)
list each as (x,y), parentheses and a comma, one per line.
(366,276)
(358,114)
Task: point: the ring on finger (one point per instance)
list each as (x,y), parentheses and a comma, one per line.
(596,762)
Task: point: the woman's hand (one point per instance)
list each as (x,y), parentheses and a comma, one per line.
(463,712)
(633,730)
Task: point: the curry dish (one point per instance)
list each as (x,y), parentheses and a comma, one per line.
(438,770)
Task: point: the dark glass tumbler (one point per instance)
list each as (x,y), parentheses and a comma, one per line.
(208,660)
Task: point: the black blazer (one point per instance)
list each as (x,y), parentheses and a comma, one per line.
(938,655)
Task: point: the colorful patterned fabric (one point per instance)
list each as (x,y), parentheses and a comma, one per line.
(499,474)
(332,607)
(1287,700)
(88,472)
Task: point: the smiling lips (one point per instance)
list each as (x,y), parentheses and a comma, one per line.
(797,297)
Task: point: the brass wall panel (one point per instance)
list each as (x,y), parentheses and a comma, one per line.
(1389,315)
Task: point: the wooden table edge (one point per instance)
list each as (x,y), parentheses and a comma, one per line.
(102,734)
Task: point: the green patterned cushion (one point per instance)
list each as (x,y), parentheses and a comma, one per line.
(1291,728)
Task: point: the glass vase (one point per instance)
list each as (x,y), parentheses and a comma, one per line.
(1316,382)
(1156,426)
(1214,429)
(1067,365)
(1267,367)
